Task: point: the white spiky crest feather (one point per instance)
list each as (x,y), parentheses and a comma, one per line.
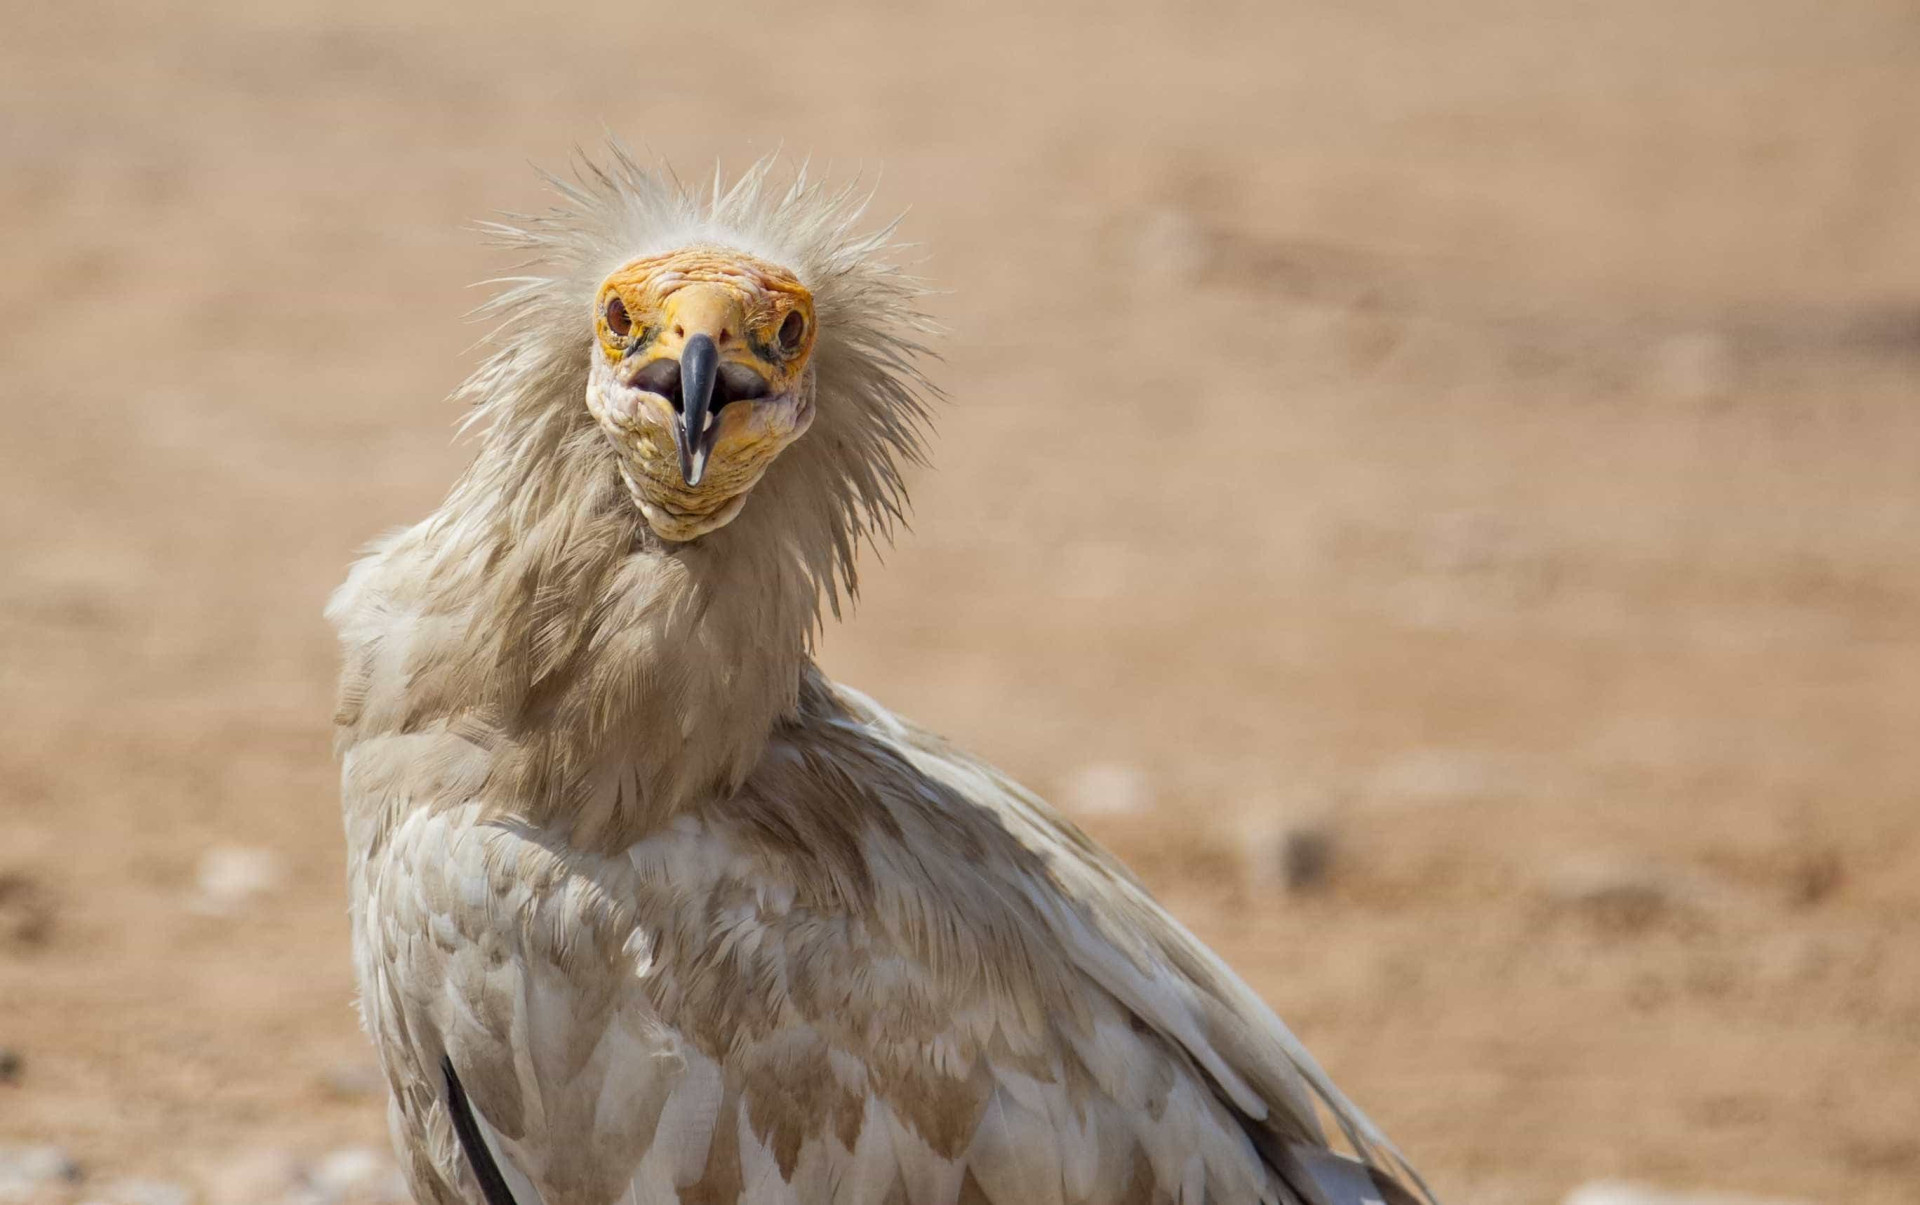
(844,477)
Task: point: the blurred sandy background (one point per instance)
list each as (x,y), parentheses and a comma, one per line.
(1477,440)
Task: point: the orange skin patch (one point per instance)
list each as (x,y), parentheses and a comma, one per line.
(766,293)
(748,307)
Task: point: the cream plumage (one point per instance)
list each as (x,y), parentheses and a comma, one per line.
(644,908)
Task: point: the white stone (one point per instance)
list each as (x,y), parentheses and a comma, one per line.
(232,876)
(355,1174)
(26,1170)
(1621,1192)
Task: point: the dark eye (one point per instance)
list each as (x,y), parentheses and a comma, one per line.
(617,320)
(792,331)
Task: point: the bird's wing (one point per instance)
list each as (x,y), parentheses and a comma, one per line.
(1122,940)
(879,975)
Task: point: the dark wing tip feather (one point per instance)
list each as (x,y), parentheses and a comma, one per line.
(493,1185)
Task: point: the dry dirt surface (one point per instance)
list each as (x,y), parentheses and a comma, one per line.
(1433,485)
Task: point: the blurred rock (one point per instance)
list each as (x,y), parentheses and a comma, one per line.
(232,876)
(1616,894)
(1619,1192)
(1306,856)
(1107,788)
(27,1172)
(137,1191)
(1293,853)
(26,910)
(11,1065)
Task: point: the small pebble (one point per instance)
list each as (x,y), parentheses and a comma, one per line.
(1290,847)
(1305,853)
(11,1065)
(353,1175)
(346,1169)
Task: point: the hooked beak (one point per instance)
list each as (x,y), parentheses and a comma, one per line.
(699,370)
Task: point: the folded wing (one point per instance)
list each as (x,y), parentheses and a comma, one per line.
(880,974)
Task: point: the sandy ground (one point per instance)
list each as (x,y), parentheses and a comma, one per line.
(1481,436)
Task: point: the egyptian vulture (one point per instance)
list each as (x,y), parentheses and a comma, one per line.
(644,908)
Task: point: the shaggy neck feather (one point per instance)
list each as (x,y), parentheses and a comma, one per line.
(615,680)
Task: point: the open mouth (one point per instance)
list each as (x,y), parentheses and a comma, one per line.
(732,383)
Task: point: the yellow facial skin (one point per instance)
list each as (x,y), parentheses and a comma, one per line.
(649,317)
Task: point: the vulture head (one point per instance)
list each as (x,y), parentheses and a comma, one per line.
(699,379)
(730,370)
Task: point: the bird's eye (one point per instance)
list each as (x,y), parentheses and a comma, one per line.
(792,331)
(618,320)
